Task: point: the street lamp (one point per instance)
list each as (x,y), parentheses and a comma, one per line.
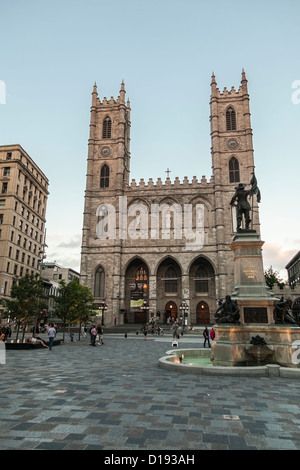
(145,307)
(184,308)
(102,308)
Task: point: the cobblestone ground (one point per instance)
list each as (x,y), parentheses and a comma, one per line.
(116,397)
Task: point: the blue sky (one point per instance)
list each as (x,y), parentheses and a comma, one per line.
(165,50)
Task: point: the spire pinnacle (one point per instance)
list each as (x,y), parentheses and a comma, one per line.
(122,92)
(213,85)
(244,81)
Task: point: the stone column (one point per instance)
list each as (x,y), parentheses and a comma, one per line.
(255,300)
(186,294)
(152,295)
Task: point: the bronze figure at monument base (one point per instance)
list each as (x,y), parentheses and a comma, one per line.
(228,311)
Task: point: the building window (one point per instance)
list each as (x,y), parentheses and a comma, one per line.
(234,170)
(106,130)
(6,171)
(1,218)
(104,177)
(4,188)
(8,156)
(99,282)
(201,279)
(170,280)
(230,119)
(2,202)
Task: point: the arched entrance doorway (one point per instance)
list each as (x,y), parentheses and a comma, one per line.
(171,311)
(202,286)
(136,289)
(202,313)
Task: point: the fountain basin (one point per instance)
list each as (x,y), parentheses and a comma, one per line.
(171,362)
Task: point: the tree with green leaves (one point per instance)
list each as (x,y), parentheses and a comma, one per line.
(28,298)
(74,303)
(272,278)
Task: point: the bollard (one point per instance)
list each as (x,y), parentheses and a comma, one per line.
(2,352)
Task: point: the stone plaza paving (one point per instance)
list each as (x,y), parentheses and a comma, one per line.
(115,397)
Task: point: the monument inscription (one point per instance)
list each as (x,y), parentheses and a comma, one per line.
(255,315)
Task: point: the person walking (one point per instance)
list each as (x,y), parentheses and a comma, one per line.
(212,334)
(100,334)
(145,330)
(93,335)
(51,334)
(206,337)
(175,331)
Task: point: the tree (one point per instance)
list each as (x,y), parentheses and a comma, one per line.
(73,303)
(272,278)
(27,300)
(84,308)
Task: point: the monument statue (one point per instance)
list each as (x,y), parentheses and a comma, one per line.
(281,311)
(228,311)
(243,206)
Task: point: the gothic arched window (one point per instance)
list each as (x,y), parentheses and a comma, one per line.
(99,282)
(234,170)
(230,119)
(104,176)
(201,278)
(106,130)
(141,279)
(170,280)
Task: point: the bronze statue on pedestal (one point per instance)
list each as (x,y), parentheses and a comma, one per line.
(228,311)
(243,207)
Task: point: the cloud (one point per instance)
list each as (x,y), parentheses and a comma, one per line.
(74,243)
(277,256)
(64,250)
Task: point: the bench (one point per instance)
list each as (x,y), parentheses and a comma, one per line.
(13,344)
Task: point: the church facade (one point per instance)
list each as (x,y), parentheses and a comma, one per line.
(162,248)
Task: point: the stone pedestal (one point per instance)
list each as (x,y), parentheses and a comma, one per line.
(254,298)
(234,345)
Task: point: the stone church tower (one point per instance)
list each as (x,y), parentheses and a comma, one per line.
(162,248)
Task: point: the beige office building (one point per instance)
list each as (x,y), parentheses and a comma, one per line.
(23,202)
